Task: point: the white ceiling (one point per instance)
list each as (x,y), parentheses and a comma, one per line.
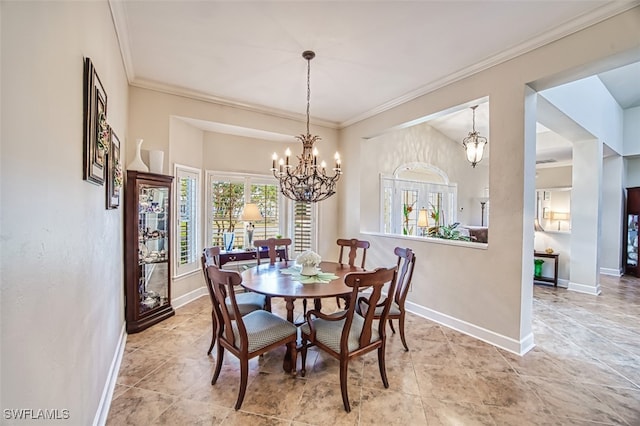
(370,55)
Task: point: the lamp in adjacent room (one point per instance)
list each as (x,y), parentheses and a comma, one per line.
(307,182)
(422,220)
(483,203)
(474,143)
(560,216)
(250,213)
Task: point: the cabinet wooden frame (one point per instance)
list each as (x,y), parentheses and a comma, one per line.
(138,315)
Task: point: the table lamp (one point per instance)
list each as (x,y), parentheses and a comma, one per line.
(422,219)
(250,213)
(559,216)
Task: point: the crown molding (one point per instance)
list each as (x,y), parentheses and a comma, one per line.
(574,25)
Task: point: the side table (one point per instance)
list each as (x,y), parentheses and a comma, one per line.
(241,255)
(555,257)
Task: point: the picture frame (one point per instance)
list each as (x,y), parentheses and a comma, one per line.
(95,144)
(115,177)
(547,195)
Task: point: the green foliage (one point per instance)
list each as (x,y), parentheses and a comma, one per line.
(447,232)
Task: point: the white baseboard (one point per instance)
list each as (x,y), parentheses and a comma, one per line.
(100,418)
(611,271)
(189,297)
(507,343)
(583,288)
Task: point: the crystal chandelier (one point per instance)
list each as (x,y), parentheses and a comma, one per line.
(474,143)
(307,182)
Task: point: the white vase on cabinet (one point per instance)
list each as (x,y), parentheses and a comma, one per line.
(137,163)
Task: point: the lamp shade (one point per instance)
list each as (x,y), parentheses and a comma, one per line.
(422,218)
(250,213)
(559,216)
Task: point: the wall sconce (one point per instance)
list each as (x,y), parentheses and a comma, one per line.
(559,216)
(422,219)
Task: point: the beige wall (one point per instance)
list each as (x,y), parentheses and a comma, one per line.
(150,110)
(423,144)
(62,276)
(496,296)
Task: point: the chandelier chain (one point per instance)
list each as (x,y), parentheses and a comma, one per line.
(308,91)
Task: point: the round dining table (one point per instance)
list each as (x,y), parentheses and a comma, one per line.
(277,281)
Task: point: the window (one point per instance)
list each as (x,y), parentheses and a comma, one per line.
(303,227)
(226,195)
(402,199)
(187,207)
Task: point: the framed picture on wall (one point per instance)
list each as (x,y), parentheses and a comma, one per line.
(114,172)
(96,130)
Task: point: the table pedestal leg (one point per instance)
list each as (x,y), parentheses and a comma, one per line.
(287,364)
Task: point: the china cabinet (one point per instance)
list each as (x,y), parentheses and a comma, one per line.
(147,249)
(630,240)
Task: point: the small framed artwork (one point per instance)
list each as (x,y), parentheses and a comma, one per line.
(545,213)
(547,195)
(96,130)
(114,172)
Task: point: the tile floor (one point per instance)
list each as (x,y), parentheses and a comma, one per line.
(584,370)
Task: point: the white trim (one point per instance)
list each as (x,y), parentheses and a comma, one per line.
(507,343)
(102,412)
(468,244)
(421,166)
(584,288)
(179,302)
(180,171)
(611,271)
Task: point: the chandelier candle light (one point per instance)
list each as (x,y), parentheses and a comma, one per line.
(474,143)
(307,182)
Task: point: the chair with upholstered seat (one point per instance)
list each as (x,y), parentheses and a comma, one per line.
(349,334)
(272,245)
(406,263)
(353,244)
(245,336)
(247,302)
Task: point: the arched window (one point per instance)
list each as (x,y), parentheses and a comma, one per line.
(413,187)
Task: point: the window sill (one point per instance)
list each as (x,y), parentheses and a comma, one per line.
(431,240)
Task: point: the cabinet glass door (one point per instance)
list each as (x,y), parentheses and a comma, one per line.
(153,211)
(632,240)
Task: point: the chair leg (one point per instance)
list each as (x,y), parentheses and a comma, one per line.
(214,334)
(404,341)
(267,304)
(244,376)
(303,367)
(338,301)
(294,358)
(344,368)
(304,307)
(381,366)
(219,360)
(393,330)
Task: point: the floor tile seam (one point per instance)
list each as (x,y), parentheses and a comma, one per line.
(613,369)
(146,375)
(610,412)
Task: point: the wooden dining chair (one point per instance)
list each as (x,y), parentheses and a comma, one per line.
(353,244)
(273,244)
(349,334)
(406,263)
(247,302)
(246,336)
